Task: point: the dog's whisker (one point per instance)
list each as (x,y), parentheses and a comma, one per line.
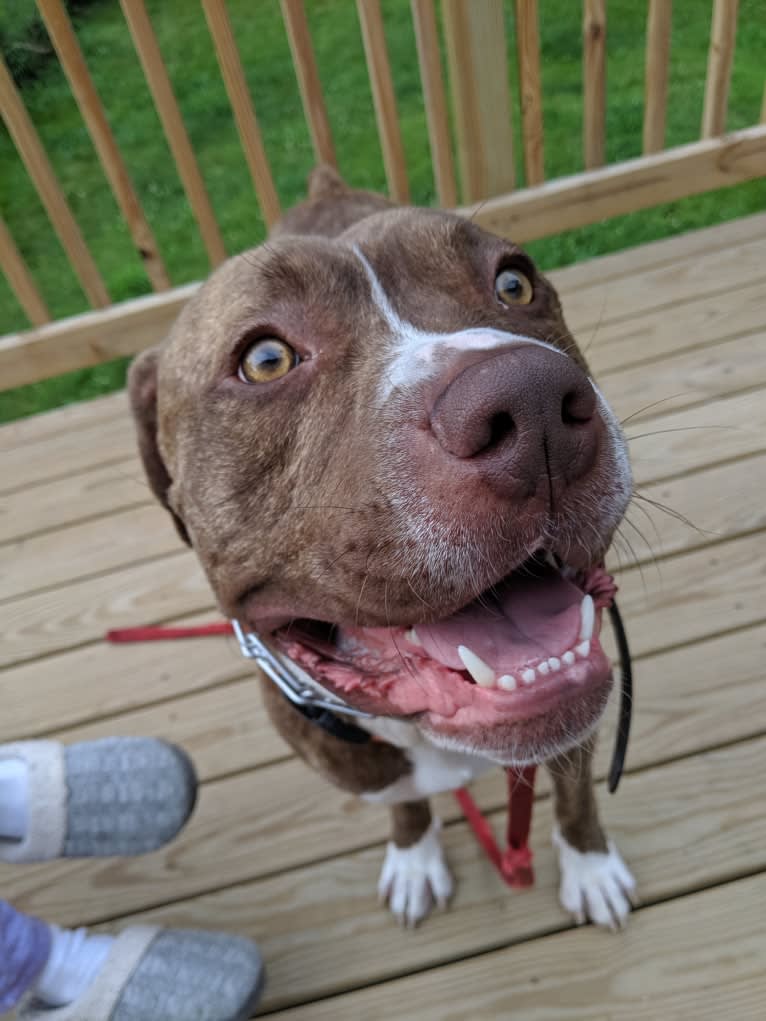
(652,556)
(655,404)
(359,600)
(649,518)
(418,595)
(678,515)
(636,561)
(682,429)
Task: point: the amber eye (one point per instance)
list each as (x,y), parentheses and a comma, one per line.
(265,360)
(513,288)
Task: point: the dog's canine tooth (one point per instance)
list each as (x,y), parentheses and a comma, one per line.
(543,668)
(507,682)
(554,663)
(583,649)
(587,618)
(412,637)
(528,676)
(568,657)
(483,675)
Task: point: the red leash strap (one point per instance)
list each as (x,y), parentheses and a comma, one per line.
(517,860)
(515,863)
(159,634)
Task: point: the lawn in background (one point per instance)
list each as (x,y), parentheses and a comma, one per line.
(190,60)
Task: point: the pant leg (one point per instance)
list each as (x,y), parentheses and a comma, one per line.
(25,945)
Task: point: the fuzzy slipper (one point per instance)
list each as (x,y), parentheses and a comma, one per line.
(156,974)
(117,796)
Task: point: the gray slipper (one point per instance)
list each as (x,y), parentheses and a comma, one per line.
(168,975)
(117,796)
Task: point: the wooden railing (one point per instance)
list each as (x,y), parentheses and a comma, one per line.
(483,111)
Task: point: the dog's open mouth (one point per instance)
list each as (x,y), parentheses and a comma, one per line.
(516,653)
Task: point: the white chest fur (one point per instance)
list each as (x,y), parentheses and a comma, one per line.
(433,769)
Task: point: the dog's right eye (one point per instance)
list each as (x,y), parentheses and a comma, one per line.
(266,360)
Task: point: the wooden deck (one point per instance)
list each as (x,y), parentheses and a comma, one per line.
(676,332)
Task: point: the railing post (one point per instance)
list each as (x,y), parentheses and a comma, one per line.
(30,148)
(165,103)
(383,97)
(307,73)
(656,88)
(530,90)
(723,32)
(594,82)
(435,99)
(242,107)
(478,66)
(88,100)
(21,280)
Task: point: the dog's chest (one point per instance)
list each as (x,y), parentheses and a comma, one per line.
(433,769)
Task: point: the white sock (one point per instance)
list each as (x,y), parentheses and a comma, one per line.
(75,959)
(14,797)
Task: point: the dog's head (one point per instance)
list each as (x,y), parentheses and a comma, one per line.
(388,455)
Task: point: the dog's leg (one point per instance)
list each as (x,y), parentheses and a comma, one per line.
(595,882)
(414,874)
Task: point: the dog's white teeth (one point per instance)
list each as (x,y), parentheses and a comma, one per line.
(543,668)
(507,682)
(587,618)
(568,657)
(412,636)
(554,663)
(483,675)
(583,649)
(528,676)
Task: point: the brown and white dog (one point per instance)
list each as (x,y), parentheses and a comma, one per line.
(382,441)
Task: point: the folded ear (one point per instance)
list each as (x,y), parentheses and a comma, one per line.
(324,182)
(142,390)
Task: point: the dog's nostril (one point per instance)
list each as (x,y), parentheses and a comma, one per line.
(501,426)
(576,408)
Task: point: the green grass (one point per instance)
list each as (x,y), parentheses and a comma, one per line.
(188,53)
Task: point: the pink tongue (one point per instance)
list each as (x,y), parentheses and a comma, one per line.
(527,620)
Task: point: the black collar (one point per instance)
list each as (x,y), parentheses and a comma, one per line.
(333,724)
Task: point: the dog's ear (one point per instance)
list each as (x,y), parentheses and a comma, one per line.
(142,390)
(325,182)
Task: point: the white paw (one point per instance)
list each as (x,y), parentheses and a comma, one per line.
(594,885)
(412,878)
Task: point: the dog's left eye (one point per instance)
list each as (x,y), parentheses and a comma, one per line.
(266,360)
(512,287)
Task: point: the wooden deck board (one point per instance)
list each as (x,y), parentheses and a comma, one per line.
(666,965)
(272,852)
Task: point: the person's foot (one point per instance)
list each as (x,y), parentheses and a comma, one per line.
(116,796)
(150,974)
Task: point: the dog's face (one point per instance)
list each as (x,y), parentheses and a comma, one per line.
(387,453)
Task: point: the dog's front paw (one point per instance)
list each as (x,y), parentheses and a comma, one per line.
(594,885)
(413,878)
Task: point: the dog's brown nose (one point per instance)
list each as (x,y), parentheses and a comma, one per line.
(520,415)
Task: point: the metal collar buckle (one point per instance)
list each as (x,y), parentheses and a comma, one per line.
(284,673)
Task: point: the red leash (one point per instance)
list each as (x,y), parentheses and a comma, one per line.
(514,864)
(159,634)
